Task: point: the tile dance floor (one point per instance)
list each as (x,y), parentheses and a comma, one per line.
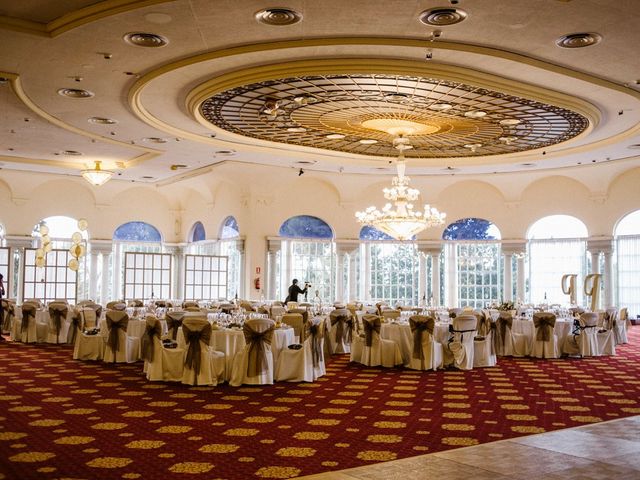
(607,450)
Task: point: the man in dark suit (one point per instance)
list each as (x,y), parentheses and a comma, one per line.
(294,291)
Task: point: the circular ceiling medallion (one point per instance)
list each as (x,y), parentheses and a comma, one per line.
(140,39)
(442,16)
(578,40)
(365,113)
(278,16)
(75,93)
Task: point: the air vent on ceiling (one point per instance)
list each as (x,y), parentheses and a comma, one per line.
(75,93)
(154,140)
(150,40)
(442,16)
(70,153)
(305,162)
(102,121)
(225,153)
(278,16)
(578,40)
(147,177)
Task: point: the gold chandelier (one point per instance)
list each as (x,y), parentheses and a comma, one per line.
(400,220)
(96,176)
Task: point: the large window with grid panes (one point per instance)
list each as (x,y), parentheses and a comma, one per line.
(51,282)
(147,275)
(205,277)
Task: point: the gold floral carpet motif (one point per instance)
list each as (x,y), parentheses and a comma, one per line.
(62,418)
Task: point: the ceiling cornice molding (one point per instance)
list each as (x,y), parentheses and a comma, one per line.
(75,18)
(136,91)
(16,87)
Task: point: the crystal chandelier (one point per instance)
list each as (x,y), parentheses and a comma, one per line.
(96,176)
(400,220)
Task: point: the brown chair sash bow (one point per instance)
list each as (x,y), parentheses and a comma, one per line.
(8,313)
(420,324)
(544,323)
(76,324)
(58,314)
(257,355)
(116,320)
(28,311)
(174,322)
(147,344)
(194,351)
(315,334)
(371,324)
(339,318)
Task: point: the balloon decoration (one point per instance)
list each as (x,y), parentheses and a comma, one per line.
(77,250)
(45,246)
(570,289)
(592,289)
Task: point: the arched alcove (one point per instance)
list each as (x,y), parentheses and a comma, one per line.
(305,226)
(137,232)
(197,233)
(229,228)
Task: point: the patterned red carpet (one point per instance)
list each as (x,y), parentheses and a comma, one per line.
(65,419)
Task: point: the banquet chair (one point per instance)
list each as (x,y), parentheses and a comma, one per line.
(190,303)
(606,336)
(174,322)
(427,354)
(291,305)
(307,363)
(390,314)
(253,365)
(135,303)
(295,320)
(341,332)
(503,338)
(455,312)
(35,301)
(459,350)
(58,325)
(202,364)
(244,304)
(545,341)
(8,314)
(277,311)
(86,346)
(150,349)
(584,339)
(25,330)
(371,350)
(119,347)
(484,353)
(620,327)
(116,305)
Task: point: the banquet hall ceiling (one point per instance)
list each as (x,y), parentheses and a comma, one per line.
(164,90)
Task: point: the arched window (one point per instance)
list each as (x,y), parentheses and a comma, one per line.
(305,226)
(137,232)
(627,244)
(229,228)
(308,256)
(393,268)
(197,233)
(556,246)
(477,258)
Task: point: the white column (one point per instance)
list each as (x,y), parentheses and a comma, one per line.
(608,279)
(422,278)
(118,268)
(521,277)
(451,279)
(104,290)
(340,276)
(93,275)
(435,280)
(273,247)
(244,290)
(595,262)
(17,245)
(507,290)
(353,274)
(367,272)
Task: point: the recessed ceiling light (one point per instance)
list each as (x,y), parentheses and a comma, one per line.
(442,16)
(509,122)
(303,100)
(306,162)
(397,97)
(527,165)
(335,136)
(440,107)
(70,153)
(296,129)
(226,153)
(75,93)
(147,177)
(475,114)
(473,146)
(368,141)
(141,39)
(578,40)
(278,16)
(155,140)
(102,121)
(507,140)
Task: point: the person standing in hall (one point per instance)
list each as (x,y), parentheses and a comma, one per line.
(294,291)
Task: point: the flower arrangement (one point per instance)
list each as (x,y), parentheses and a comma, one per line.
(506,306)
